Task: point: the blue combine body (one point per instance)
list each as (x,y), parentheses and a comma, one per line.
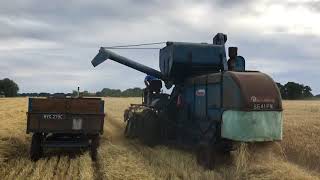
(215,102)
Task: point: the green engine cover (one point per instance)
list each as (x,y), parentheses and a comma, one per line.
(251,126)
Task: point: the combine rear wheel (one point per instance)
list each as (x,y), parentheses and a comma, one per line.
(205,157)
(36,149)
(212,156)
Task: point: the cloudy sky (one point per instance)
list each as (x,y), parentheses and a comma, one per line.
(48,45)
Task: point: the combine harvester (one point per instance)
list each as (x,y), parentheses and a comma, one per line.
(214,105)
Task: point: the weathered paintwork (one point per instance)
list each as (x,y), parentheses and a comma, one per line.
(65,115)
(206,91)
(252,126)
(180,60)
(207,97)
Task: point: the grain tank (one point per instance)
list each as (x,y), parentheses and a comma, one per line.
(214,104)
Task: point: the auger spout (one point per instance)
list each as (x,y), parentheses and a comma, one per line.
(105,54)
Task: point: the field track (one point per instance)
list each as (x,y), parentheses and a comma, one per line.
(296,157)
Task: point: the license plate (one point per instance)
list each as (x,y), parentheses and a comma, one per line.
(53,116)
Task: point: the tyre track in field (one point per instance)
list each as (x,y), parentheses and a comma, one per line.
(97,171)
(54,173)
(67,170)
(109,127)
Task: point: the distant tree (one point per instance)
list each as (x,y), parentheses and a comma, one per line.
(44,94)
(74,93)
(110,92)
(9,87)
(307,91)
(87,93)
(132,92)
(292,90)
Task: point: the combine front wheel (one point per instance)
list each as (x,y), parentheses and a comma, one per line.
(151,129)
(129,130)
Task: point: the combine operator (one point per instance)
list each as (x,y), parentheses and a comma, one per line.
(153,85)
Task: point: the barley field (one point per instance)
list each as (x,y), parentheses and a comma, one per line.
(296,157)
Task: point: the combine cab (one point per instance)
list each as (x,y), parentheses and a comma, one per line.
(215,102)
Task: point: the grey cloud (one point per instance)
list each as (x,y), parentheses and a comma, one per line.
(312,5)
(232,3)
(79,28)
(281,45)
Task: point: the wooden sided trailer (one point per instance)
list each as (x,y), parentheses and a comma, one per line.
(64,123)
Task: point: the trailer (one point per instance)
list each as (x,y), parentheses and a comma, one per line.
(64,123)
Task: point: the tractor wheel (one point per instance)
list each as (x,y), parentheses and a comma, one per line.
(151,129)
(36,150)
(95,141)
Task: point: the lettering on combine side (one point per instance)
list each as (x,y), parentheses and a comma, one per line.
(262,106)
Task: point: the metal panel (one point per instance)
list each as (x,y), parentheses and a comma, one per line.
(214,95)
(231,94)
(66,115)
(252,125)
(186,59)
(257,90)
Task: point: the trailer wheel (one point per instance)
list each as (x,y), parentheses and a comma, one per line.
(36,149)
(94,147)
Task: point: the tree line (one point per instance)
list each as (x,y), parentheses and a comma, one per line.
(292,90)
(9,88)
(105,92)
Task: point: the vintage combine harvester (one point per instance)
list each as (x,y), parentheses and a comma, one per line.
(214,104)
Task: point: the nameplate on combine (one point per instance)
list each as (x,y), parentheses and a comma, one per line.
(201,92)
(262,103)
(52,116)
(262,106)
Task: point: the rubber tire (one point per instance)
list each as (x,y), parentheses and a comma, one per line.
(212,156)
(151,130)
(202,156)
(129,131)
(206,156)
(95,141)
(36,150)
